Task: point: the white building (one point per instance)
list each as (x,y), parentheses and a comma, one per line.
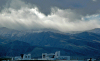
(26,57)
(23,57)
(45,56)
(54,56)
(91,59)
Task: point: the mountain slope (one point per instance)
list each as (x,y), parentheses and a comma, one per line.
(15,48)
(84,43)
(96,31)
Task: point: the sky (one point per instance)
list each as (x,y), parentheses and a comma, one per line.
(61,15)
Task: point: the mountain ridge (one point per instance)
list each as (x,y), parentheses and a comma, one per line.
(84,43)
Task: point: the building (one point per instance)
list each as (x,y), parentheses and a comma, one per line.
(45,56)
(54,56)
(91,59)
(23,57)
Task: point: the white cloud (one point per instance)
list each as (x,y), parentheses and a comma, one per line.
(59,19)
(94,0)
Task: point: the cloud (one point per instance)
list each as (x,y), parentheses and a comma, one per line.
(83,7)
(94,0)
(64,20)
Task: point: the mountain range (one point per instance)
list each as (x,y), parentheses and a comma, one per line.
(80,44)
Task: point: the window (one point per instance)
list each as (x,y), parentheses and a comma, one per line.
(28,56)
(43,56)
(25,56)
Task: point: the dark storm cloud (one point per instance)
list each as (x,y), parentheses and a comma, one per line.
(81,6)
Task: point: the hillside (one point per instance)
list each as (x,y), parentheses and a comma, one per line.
(79,44)
(15,48)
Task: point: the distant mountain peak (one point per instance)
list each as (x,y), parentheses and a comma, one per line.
(96,30)
(3,28)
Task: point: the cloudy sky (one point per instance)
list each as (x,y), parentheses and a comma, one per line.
(61,15)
